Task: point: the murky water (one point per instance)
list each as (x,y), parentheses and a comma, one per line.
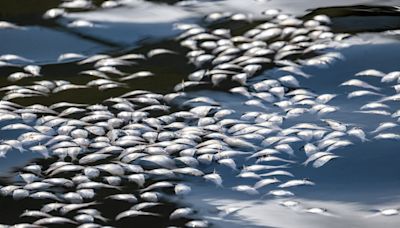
(355,189)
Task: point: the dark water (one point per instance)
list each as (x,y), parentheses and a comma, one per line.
(366,177)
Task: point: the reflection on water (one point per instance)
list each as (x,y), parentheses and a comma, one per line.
(142,59)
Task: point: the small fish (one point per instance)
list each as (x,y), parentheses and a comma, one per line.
(54,220)
(265,182)
(181,213)
(293,183)
(388,136)
(214,177)
(359,83)
(318,211)
(385,212)
(360,93)
(182,189)
(280,193)
(371,73)
(134,213)
(246,189)
(124,197)
(357,132)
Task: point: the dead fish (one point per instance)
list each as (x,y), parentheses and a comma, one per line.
(182,189)
(91,158)
(66,168)
(246,189)
(8,25)
(73,207)
(54,220)
(359,83)
(42,195)
(159,51)
(214,177)
(124,197)
(19,194)
(293,183)
(181,213)
(197,223)
(18,76)
(134,213)
(371,73)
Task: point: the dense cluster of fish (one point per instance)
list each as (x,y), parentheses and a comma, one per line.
(139,148)
(278,41)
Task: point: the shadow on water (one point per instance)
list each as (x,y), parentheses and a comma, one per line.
(30,12)
(26,12)
(29,42)
(168,70)
(360,18)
